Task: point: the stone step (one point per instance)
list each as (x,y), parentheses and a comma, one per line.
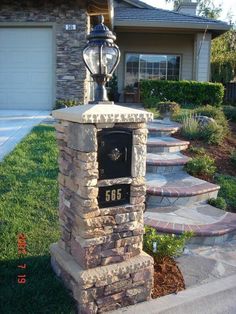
(209,224)
(165,145)
(162,127)
(166,162)
(177,189)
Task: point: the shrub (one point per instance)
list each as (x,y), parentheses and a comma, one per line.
(156,113)
(218,202)
(230,112)
(233,157)
(161,245)
(212,112)
(168,107)
(150,102)
(213,133)
(202,165)
(183,92)
(64,103)
(190,127)
(197,150)
(227,190)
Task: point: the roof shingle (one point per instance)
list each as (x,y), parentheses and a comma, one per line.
(160,15)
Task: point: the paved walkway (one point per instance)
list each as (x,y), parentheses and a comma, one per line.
(15,125)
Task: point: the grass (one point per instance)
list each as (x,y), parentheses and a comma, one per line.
(29,205)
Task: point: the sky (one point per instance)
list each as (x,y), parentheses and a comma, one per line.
(227,5)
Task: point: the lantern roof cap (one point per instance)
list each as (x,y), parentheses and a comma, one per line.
(101,31)
(102,113)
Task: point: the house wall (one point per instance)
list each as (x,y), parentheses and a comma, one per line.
(70,76)
(157,43)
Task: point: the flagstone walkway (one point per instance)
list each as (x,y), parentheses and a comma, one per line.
(176,201)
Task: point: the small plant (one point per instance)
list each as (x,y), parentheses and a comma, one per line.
(155,112)
(129,88)
(190,127)
(162,245)
(233,156)
(168,108)
(227,190)
(64,103)
(197,150)
(213,133)
(218,202)
(202,165)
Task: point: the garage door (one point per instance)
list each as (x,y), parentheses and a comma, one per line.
(26,73)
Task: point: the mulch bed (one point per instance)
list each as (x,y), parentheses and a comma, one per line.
(167,278)
(220,153)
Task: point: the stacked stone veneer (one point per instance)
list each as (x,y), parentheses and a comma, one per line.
(99,256)
(71,76)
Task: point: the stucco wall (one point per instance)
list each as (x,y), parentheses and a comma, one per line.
(157,43)
(69,71)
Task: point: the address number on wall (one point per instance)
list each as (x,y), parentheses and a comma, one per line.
(113,195)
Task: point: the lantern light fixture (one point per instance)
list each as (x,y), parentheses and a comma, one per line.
(101,57)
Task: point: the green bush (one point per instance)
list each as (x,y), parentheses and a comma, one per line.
(213,133)
(216,113)
(183,92)
(150,102)
(218,202)
(230,112)
(162,245)
(202,165)
(190,127)
(233,156)
(227,190)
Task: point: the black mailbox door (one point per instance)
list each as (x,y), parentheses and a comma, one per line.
(114,153)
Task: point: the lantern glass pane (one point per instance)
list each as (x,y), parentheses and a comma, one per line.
(109,58)
(91,58)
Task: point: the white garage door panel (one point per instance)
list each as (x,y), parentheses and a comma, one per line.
(26,75)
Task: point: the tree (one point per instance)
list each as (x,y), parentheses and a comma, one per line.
(223,57)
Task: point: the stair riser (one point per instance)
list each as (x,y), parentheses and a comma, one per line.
(164,169)
(166,149)
(160,201)
(160,133)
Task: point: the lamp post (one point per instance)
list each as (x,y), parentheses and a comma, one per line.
(101,56)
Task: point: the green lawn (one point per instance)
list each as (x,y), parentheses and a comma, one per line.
(29,205)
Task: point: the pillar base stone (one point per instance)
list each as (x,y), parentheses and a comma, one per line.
(104,288)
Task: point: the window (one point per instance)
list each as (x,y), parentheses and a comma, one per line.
(151,67)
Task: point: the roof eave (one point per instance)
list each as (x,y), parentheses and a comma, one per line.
(166,24)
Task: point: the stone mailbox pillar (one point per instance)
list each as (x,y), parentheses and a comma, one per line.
(102,193)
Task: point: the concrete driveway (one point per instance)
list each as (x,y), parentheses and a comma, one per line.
(15,125)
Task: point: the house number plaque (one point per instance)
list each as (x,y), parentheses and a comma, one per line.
(114,195)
